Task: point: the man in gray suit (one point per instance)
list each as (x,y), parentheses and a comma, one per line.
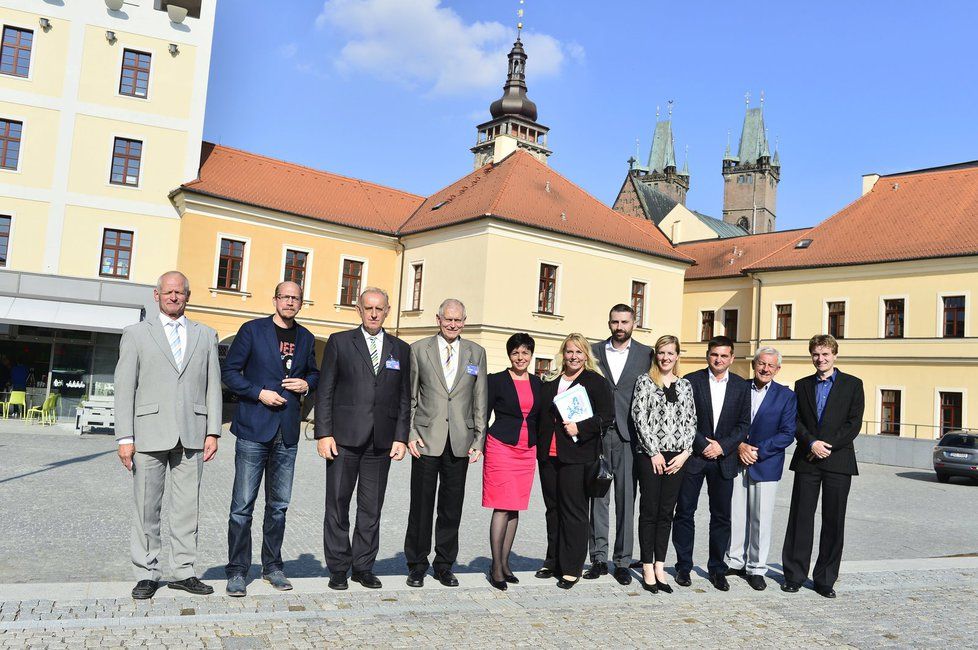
(622,361)
(167,415)
(448,427)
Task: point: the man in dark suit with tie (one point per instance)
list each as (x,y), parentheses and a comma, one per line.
(622,360)
(722,402)
(830,415)
(363,410)
(270,367)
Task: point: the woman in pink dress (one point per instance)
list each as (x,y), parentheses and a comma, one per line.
(510,459)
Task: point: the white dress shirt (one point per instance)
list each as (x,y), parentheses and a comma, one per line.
(718,390)
(616,358)
(452,368)
(379,342)
(756,397)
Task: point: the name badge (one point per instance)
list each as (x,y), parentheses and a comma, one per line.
(393,364)
(472,370)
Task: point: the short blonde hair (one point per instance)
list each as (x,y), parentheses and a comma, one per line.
(580,341)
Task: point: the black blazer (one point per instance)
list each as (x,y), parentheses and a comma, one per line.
(588,444)
(504,401)
(732,426)
(842,419)
(355,406)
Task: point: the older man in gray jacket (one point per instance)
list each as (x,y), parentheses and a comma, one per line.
(167,416)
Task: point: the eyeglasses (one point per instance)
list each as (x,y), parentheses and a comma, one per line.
(289,298)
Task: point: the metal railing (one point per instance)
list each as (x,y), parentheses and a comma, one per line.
(904,430)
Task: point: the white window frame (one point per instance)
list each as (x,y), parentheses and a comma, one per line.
(23,138)
(409,297)
(774,320)
(557,287)
(152,70)
(725,332)
(339,278)
(243,288)
(142,161)
(645,302)
(937,402)
(132,257)
(940,312)
(879,406)
(906,314)
(307,280)
(825,316)
(542,356)
(34,42)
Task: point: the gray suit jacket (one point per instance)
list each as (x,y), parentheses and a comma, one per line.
(440,413)
(638,363)
(157,405)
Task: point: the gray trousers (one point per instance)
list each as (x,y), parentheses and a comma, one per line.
(149,474)
(751,515)
(619,455)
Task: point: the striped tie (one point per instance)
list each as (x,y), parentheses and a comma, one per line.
(374,354)
(175,347)
(449,371)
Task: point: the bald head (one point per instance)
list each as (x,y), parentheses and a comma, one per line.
(287,302)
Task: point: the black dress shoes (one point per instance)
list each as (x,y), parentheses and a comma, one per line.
(597,570)
(790,587)
(663,587)
(501,585)
(192,585)
(825,592)
(651,587)
(416,578)
(145,589)
(338,582)
(623,575)
(682,578)
(719,581)
(447,578)
(566,584)
(757,583)
(367,579)
(511,579)
(544,573)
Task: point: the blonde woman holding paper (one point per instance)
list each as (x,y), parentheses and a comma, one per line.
(565,450)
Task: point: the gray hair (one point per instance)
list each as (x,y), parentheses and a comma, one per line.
(450,302)
(186,282)
(376,290)
(767,349)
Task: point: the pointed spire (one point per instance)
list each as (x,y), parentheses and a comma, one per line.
(776,161)
(753,139)
(514,100)
(726,153)
(685,171)
(663,151)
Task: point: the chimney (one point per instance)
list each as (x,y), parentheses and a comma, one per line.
(869,180)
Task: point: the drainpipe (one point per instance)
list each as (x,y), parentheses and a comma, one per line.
(399,247)
(757,313)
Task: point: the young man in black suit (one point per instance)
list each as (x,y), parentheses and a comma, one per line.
(363,410)
(830,415)
(722,402)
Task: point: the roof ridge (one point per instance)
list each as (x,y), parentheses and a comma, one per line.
(788,243)
(509,175)
(738,237)
(472,173)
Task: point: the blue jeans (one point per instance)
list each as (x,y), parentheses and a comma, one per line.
(252,460)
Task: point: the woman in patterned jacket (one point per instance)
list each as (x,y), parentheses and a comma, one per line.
(665,418)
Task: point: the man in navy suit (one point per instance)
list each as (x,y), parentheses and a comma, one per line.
(271,365)
(722,401)
(773,409)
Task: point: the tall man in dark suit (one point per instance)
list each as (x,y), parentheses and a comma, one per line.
(363,409)
(722,402)
(773,410)
(830,415)
(271,365)
(622,360)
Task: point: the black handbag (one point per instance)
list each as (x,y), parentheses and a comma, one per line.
(599,476)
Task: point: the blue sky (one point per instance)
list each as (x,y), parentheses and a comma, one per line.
(391,90)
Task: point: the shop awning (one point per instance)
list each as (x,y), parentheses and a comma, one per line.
(66,315)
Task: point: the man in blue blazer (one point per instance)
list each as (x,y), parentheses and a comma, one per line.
(271,365)
(773,409)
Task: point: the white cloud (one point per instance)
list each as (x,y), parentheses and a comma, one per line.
(422,44)
(288,50)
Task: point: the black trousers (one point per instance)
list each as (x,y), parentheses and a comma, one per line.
(797,553)
(657,504)
(548,485)
(444,475)
(573,518)
(720,490)
(364,468)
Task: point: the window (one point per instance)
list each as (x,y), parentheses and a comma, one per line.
(730,317)
(783,327)
(416,286)
(890,411)
(893,318)
(547,298)
(230,264)
(116,253)
(638,303)
(295,267)
(950,412)
(15,57)
(706,331)
(350,285)
(4,238)
(953,317)
(134,80)
(126,156)
(541,367)
(10,132)
(837,319)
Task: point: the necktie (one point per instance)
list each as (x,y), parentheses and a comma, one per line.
(449,372)
(374,354)
(175,346)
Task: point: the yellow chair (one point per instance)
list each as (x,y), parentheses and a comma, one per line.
(17,398)
(47,413)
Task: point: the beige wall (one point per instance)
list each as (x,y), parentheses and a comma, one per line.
(48,55)
(682,225)
(28,220)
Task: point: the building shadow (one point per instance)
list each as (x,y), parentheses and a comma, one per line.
(927,477)
(306,565)
(59,464)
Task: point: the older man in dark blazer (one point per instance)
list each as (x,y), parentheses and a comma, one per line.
(722,402)
(830,415)
(363,409)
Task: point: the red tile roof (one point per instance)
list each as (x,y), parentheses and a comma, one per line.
(914,215)
(269,183)
(726,258)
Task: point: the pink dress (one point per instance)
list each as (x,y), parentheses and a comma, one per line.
(507,473)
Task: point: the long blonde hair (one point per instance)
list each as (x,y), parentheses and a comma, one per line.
(580,341)
(654,371)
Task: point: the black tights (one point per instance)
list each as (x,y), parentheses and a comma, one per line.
(502,532)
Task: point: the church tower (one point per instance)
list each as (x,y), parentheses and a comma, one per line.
(661,172)
(514,119)
(750,179)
